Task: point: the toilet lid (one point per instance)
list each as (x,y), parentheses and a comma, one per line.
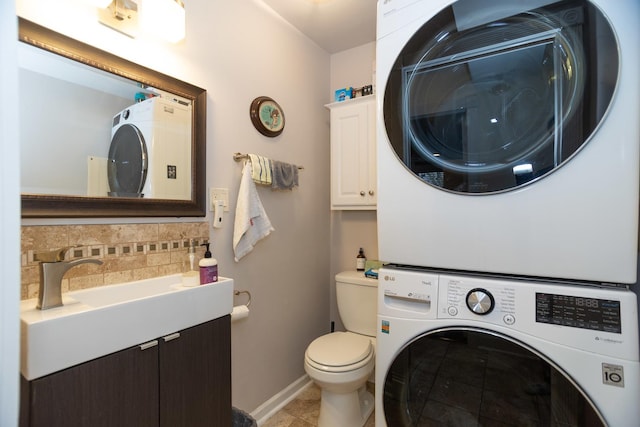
(339,349)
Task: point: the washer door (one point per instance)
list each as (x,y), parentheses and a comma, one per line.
(491,95)
(127,168)
(473,377)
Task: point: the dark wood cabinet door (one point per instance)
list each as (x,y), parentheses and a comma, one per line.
(120,389)
(195,376)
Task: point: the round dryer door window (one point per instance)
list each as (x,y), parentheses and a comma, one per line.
(491,95)
(471,377)
(127,168)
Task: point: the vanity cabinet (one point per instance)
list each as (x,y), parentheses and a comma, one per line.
(183,379)
(353,154)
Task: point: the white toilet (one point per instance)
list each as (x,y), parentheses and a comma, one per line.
(341,362)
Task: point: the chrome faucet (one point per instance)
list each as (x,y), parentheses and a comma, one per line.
(52,269)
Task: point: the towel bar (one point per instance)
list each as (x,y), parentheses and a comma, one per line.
(239,156)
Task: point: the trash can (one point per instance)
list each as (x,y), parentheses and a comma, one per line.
(240,418)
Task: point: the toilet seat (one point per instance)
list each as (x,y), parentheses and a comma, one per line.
(339,352)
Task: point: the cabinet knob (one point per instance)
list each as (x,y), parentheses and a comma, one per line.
(371,192)
(362,193)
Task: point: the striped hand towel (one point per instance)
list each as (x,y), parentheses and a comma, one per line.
(260,169)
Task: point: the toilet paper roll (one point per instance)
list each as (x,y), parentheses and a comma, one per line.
(239,312)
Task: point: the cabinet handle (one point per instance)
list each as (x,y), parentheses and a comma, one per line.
(148,344)
(362,193)
(171,337)
(371,192)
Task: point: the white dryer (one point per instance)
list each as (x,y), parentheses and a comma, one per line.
(150,152)
(508,136)
(460,350)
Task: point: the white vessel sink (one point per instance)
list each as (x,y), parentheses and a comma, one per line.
(99,321)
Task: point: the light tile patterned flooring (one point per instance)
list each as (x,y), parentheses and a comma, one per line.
(303,411)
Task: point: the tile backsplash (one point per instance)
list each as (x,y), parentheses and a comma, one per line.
(128,251)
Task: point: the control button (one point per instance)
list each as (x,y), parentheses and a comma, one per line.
(453,311)
(480,301)
(509,319)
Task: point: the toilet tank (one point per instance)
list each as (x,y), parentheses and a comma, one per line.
(357,297)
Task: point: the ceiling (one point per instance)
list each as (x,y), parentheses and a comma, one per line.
(335,25)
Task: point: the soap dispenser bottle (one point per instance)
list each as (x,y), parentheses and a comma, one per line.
(192,255)
(190,277)
(361,260)
(208,267)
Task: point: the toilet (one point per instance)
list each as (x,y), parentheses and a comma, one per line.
(340,363)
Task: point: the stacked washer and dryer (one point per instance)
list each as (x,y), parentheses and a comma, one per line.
(508,191)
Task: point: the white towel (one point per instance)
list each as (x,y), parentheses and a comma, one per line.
(252,223)
(260,169)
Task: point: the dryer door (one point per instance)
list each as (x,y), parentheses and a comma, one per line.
(127,168)
(491,95)
(473,377)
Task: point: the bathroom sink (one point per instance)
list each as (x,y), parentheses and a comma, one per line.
(99,321)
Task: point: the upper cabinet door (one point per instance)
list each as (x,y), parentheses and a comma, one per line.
(353,154)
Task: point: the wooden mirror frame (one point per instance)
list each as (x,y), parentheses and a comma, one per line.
(55,206)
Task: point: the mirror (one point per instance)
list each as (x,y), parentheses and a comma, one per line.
(104,137)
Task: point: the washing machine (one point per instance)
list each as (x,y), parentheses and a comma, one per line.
(508,136)
(150,151)
(479,350)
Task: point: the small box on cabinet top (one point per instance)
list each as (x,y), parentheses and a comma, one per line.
(344,94)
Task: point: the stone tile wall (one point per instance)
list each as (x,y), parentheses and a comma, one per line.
(128,251)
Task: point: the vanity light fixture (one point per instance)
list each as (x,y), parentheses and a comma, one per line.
(102,4)
(120,15)
(163,19)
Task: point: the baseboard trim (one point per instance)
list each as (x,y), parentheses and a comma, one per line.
(265,411)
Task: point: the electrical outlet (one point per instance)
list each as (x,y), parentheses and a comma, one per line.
(219,194)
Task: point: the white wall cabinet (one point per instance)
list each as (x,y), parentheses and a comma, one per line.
(353,154)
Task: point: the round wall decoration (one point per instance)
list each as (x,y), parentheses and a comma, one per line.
(267,116)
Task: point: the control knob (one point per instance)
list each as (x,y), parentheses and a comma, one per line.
(480,301)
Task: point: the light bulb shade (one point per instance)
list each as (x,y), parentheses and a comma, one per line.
(162,18)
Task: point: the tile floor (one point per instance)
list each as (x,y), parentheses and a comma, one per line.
(303,411)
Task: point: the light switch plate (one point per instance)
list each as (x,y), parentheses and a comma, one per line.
(219,194)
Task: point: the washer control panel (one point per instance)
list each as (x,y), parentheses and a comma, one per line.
(579,312)
(600,320)
(467,298)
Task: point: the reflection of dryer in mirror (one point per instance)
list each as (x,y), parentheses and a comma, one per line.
(150,152)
